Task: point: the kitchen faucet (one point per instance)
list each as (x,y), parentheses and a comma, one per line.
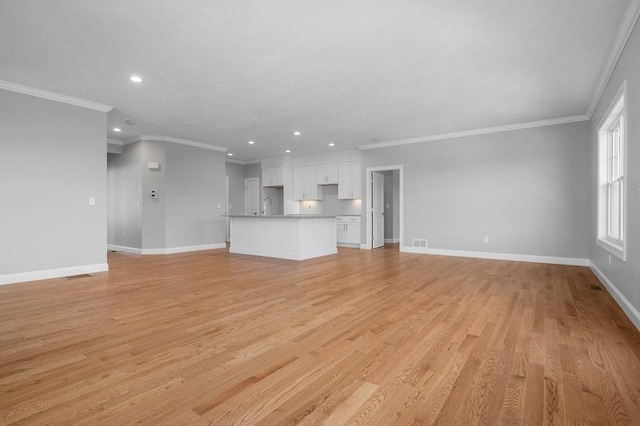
(264,205)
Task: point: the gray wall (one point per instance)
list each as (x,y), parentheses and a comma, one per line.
(235,172)
(195,188)
(189,184)
(527,190)
(124,179)
(252,170)
(53,159)
(154,235)
(625,276)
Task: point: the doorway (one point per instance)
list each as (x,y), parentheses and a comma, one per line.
(252,196)
(226,208)
(380,207)
(377,210)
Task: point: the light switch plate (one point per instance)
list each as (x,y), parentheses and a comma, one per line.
(92,201)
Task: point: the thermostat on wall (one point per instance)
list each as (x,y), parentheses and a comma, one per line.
(153,165)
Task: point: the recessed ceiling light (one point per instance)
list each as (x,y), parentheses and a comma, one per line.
(230,154)
(136,79)
(288,151)
(251,142)
(117,129)
(297,133)
(130,122)
(332,144)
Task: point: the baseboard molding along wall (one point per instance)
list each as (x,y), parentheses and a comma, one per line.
(499,256)
(391,240)
(124,249)
(52,273)
(632,313)
(171,250)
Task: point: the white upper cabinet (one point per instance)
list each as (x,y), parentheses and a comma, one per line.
(349,181)
(273,176)
(305,184)
(327,174)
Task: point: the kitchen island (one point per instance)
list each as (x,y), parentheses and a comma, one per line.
(295,237)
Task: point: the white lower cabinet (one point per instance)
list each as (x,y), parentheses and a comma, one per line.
(348,230)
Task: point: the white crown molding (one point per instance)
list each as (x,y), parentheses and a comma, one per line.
(52,273)
(31,91)
(624,32)
(155,138)
(243,163)
(327,158)
(115,142)
(476,132)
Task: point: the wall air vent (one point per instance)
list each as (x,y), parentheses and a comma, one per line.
(420,243)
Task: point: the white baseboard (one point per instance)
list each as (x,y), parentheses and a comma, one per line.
(391,240)
(53,273)
(124,249)
(625,304)
(174,250)
(499,256)
(171,250)
(349,245)
(289,255)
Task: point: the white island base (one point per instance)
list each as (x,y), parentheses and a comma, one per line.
(295,237)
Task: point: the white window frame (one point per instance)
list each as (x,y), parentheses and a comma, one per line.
(612,172)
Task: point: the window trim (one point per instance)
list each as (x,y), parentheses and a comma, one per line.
(614,114)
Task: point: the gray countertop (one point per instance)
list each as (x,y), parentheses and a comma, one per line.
(284,216)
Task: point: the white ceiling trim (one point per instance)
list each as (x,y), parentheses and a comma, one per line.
(154,138)
(242,163)
(31,91)
(498,129)
(624,32)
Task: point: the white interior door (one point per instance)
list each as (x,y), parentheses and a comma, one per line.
(227,207)
(251,196)
(377,208)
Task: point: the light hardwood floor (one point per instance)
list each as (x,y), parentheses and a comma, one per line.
(363,337)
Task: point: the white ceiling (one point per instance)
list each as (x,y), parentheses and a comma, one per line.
(350,71)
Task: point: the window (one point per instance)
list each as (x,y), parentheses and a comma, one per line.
(611,178)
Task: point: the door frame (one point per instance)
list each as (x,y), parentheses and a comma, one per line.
(375,201)
(227,211)
(258,193)
(369,208)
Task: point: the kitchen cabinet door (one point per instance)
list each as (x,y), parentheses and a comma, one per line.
(273,176)
(341,229)
(305,186)
(327,174)
(349,181)
(353,233)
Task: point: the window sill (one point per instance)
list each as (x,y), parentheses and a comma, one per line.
(615,249)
